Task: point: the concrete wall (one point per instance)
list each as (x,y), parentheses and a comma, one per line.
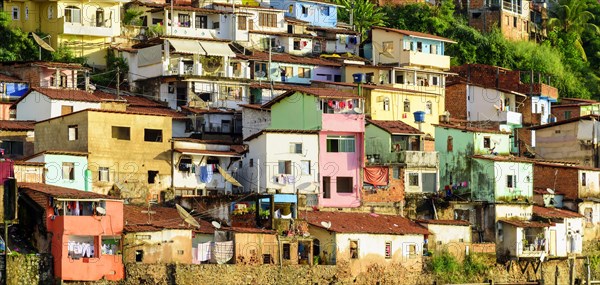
(296,112)
(455,165)
(254,121)
(166,246)
(561,143)
(448,234)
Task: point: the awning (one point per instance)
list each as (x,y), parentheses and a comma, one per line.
(208,152)
(217,48)
(228,177)
(186,46)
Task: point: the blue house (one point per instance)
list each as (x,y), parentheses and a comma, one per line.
(317,13)
(12,88)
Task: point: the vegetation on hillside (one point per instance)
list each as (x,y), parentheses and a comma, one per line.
(447,269)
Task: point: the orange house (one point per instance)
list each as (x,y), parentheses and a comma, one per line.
(81,229)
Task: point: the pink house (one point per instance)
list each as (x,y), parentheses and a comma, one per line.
(338,117)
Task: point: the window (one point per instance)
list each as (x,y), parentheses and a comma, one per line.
(15,13)
(388,47)
(64,110)
(567,115)
(428,107)
(68,171)
(260,69)
(388,249)
(326,187)
(12,147)
(152,135)
(100,17)
(305,166)
(139,255)
(110,245)
(297,44)
(242,23)
(515,22)
(449,143)
(354,249)
(340,143)
(287,251)
(180,251)
(289,71)
(386,104)
(304,10)
(267,20)
(413,179)
(184,20)
(291,9)
(26,12)
(406,105)
(216,25)
(486,142)
(583,179)
(73,132)
(433,49)
(344,185)
(201,22)
(412,249)
(511,181)
(400,78)
(419,46)
(267,259)
(285,167)
(251,162)
(588,214)
(396,172)
(152,174)
(50,12)
(103,174)
(296,148)
(72,14)
(435,81)
(120,133)
(304,72)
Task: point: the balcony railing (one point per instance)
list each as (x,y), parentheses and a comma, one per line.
(510,117)
(418,158)
(88,29)
(410,58)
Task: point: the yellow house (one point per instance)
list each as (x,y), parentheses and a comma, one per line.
(86,27)
(129,153)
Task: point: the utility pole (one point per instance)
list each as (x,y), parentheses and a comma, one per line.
(118,83)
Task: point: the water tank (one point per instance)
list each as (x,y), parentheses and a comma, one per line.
(358,77)
(419,117)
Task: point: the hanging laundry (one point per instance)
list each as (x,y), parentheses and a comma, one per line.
(203,173)
(342,104)
(222,252)
(209,173)
(204,251)
(350,105)
(291,179)
(77,208)
(330,104)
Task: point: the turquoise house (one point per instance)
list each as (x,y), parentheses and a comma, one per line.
(67,169)
(456,145)
(502,179)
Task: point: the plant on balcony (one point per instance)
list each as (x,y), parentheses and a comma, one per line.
(132,17)
(211,64)
(155,30)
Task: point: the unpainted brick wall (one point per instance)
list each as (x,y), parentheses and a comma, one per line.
(456,100)
(562,179)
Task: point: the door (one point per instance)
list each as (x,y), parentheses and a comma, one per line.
(181,96)
(552,243)
(100,17)
(251,25)
(326,187)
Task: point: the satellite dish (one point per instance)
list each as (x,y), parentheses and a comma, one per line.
(550,190)
(42,43)
(326,225)
(186,216)
(101,210)
(216,224)
(357,110)
(261,73)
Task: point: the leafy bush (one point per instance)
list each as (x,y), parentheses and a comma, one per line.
(447,269)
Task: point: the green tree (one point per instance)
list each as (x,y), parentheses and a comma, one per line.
(571,17)
(15,44)
(365,15)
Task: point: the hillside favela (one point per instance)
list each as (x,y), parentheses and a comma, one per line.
(188,142)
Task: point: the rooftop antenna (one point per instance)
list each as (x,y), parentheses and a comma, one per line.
(186,216)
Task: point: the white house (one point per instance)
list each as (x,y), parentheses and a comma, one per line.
(44,103)
(284,161)
(451,235)
(198,167)
(254,119)
(364,239)
(566,235)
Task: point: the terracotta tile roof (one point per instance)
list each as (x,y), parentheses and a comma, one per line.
(444,222)
(318,92)
(29,163)
(345,222)
(139,101)
(246,6)
(49,64)
(59,192)
(283,34)
(416,34)
(6,78)
(57,152)
(554,213)
(253,106)
(189,8)
(287,58)
(295,21)
(526,224)
(104,111)
(504,158)
(207,152)
(372,87)
(471,129)
(576,119)
(13,125)
(166,111)
(304,132)
(395,127)
(135,220)
(63,94)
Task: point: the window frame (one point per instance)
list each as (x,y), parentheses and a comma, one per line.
(103,171)
(15,13)
(71,171)
(347,147)
(116,133)
(511,181)
(414,183)
(342,181)
(73,11)
(73,132)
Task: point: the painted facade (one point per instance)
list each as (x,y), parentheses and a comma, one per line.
(65,169)
(501,180)
(37,106)
(317,13)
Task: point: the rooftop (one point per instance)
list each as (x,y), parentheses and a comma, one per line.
(554,213)
(13,125)
(416,34)
(318,92)
(444,222)
(576,119)
(471,129)
(58,192)
(526,224)
(395,127)
(136,219)
(6,78)
(345,222)
(302,132)
(287,58)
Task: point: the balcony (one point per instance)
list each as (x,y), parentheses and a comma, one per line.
(191,32)
(414,58)
(88,28)
(418,158)
(510,117)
